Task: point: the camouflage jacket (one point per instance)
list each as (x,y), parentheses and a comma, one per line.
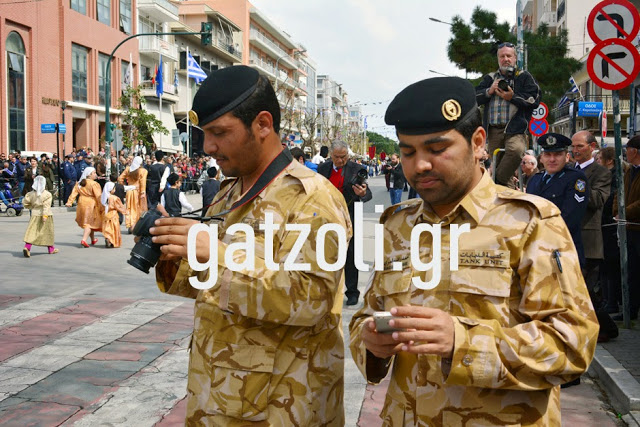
(522,326)
(267,345)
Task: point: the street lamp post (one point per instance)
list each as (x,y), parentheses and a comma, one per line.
(295,51)
(451,25)
(439,21)
(107,88)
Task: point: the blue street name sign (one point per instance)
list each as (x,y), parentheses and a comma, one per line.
(62,128)
(589,109)
(48,128)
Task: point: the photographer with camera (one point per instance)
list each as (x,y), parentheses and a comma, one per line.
(267,344)
(397,181)
(350,178)
(509,97)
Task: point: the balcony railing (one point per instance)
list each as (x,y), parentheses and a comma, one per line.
(264,65)
(607,105)
(548,18)
(168,88)
(156,45)
(280,52)
(222,44)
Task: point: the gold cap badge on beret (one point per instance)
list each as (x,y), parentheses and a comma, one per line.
(193,117)
(451,110)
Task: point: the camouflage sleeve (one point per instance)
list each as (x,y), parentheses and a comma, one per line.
(372,368)
(300,298)
(553,334)
(172,277)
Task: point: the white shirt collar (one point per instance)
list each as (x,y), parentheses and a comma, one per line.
(587,163)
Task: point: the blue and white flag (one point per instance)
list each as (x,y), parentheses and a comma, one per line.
(175,79)
(193,70)
(563,101)
(574,86)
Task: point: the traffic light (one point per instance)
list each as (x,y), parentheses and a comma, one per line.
(206,29)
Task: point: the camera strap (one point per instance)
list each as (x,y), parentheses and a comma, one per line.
(274,169)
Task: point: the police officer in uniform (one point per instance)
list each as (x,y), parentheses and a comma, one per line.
(267,344)
(565,186)
(487,332)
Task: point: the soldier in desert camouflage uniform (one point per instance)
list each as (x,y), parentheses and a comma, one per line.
(492,342)
(267,345)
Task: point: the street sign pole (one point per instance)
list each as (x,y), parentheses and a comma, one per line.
(622,228)
(58,167)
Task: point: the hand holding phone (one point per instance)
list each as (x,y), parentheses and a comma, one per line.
(381,319)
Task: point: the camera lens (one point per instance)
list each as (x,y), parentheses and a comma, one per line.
(144,255)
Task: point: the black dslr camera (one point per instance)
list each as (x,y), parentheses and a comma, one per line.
(360,178)
(145,253)
(507,81)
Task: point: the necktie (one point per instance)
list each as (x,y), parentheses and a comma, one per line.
(547,178)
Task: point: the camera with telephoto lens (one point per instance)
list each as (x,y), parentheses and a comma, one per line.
(145,253)
(360,178)
(507,81)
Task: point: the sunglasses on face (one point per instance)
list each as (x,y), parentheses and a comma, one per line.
(505,44)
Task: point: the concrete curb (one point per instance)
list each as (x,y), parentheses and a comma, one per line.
(621,386)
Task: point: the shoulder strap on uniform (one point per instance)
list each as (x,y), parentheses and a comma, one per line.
(406,205)
(546,208)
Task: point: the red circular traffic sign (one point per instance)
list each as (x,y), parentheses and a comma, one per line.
(613,64)
(613,19)
(540,112)
(538,127)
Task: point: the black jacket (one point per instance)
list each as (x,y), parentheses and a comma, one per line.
(398,175)
(349,172)
(526,97)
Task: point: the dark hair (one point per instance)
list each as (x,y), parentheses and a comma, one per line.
(159,155)
(212,172)
(113,177)
(173,178)
(608,153)
(469,125)
(297,153)
(324,151)
(263,99)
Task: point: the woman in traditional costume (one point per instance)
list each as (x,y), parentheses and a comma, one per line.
(40,231)
(89,210)
(111,223)
(136,198)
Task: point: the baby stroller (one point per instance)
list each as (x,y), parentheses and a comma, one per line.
(12,196)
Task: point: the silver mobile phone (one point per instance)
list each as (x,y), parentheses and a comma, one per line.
(381,319)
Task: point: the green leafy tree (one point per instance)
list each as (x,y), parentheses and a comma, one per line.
(473,47)
(382,143)
(137,123)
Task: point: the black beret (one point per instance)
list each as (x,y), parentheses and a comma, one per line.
(173,178)
(221,92)
(551,142)
(431,105)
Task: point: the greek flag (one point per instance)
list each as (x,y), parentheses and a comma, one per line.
(574,86)
(563,101)
(193,69)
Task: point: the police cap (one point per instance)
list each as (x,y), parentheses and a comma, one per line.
(432,105)
(551,142)
(221,92)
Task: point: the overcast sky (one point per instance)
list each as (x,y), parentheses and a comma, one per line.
(376,47)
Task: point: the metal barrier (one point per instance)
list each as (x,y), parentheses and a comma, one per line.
(494,164)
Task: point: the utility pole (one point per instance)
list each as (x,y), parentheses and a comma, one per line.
(520,36)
